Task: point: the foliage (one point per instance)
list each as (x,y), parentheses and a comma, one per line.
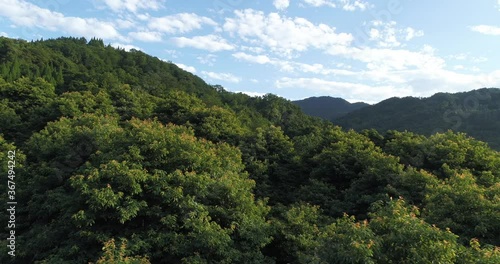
(113,255)
(120,145)
(475,112)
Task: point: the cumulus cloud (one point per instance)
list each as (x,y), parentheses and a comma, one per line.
(26,14)
(228,77)
(133,5)
(211,43)
(3,34)
(388,35)
(486,29)
(353,5)
(412,33)
(281,4)
(347,90)
(146,36)
(208,59)
(468,57)
(253,94)
(419,82)
(391,59)
(126,47)
(283,35)
(252,49)
(382,61)
(179,23)
(186,68)
(292,66)
(260,59)
(318,3)
(124,23)
(347,5)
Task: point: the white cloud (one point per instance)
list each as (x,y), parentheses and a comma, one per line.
(208,59)
(292,66)
(143,17)
(391,59)
(283,35)
(479,59)
(468,57)
(146,36)
(281,4)
(3,34)
(353,5)
(460,56)
(316,68)
(475,69)
(347,5)
(124,23)
(228,77)
(126,47)
(133,5)
(345,90)
(253,94)
(411,83)
(318,3)
(412,33)
(388,35)
(252,49)
(186,68)
(26,14)
(211,43)
(179,23)
(487,30)
(260,59)
(173,53)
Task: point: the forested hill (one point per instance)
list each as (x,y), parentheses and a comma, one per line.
(327,107)
(476,113)
(118,157)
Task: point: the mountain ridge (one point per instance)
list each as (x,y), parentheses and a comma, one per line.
(328,107)
(475,112)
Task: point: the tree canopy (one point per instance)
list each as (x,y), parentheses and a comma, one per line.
(124,158)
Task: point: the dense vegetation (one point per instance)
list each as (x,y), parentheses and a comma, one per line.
(123,158)
(327,107)
(476,113)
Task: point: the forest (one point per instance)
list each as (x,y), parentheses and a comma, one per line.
(121,157)
(475,112)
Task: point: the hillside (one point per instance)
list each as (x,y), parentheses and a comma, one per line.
(476,113)
(327,107)
(111,156)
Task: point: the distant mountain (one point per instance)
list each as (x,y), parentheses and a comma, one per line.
(327,107)
(476,113)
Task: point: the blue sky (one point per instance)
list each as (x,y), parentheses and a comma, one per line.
(359,50)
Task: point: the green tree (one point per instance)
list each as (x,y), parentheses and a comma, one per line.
(270,159)
(72,104)
(354,173)
(347,241)
(174,197)
(114,255)
(297,230)
(467,208)
(405,238)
